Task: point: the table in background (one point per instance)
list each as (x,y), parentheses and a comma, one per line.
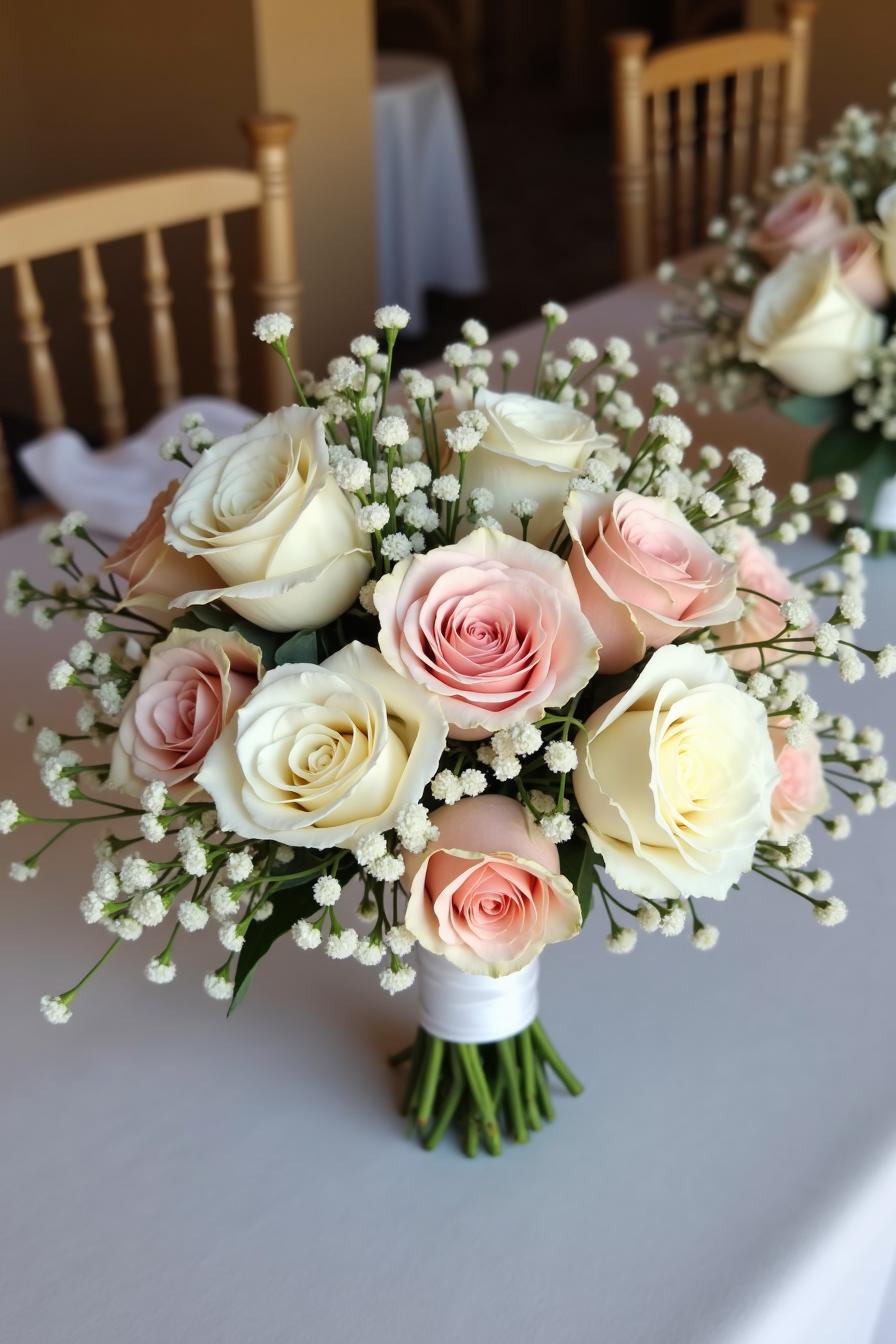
(427,222)
(728,1177)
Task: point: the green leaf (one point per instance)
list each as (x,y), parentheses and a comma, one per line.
(577,865)
(210,617)
(807,410)
(299,648)
(842,448)
(290,902)
(878,467)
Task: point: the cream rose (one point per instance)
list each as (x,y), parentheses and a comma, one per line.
(804,220)
(675,778)
(488,894)
(320,756)
(886,232)
(801,793)
(263,510)
(644,575)
(531,449)
(190,687)
(155,574)
(806,327)
(491,625)
(765,586)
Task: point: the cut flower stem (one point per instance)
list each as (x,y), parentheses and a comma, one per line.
(481,1089)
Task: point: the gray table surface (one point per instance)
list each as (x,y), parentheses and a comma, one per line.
(169,1175)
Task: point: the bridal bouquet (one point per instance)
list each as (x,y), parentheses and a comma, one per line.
(420,684)
(799,307)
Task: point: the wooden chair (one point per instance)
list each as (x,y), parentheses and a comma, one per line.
(697,123)
(80,221)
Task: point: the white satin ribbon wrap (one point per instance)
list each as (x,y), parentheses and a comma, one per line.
(883,515)
(474,1009)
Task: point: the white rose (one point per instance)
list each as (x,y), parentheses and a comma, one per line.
(531,449)
(263,510)
(886,232)
(807,327)
(319,756)
(676,778)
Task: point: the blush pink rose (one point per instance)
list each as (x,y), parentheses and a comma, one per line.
(759,572)
(644,575)
(153,573)
(858,252)
(806,219)
(801,793)
(491,625)
(489,910)
(190,687)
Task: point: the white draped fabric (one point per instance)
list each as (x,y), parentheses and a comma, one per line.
(427,224)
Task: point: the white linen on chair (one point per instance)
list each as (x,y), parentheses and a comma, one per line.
(114,486)
(426,206)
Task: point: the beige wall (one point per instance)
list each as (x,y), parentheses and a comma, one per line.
(315,59)
(97,89)
(853,55)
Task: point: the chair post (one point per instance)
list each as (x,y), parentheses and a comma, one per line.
(630,162)
(796,20)
(9,505)
(277,288)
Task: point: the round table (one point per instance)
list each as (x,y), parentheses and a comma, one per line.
(426,206)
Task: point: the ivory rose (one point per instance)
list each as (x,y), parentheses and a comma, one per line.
(675,778)
(531,449)
(155,574)
(491,625)
(488,894)
(321,756)
(886,232)
(190,686)
(801,793)
(264,511)
(758,571)
(807,328)
(858,254)
(804,220)
(644,575)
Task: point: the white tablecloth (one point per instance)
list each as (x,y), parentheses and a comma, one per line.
(728,1177)
(426,206)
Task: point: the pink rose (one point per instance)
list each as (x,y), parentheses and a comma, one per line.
(644,575)
(759,572)
(858,252)
(190,687)
(490,911)
(152,572)
(491,625)
(806,219)
(801,793)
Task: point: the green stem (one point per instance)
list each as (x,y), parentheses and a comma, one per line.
(508,1064)
(548,1053)
(430,1080)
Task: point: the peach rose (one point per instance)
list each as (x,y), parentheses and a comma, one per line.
(490,911)
(154,574)
(190,687)
(858,252)
(801,793)
(804,220)
(491,625)
(758,570)
(644,575)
